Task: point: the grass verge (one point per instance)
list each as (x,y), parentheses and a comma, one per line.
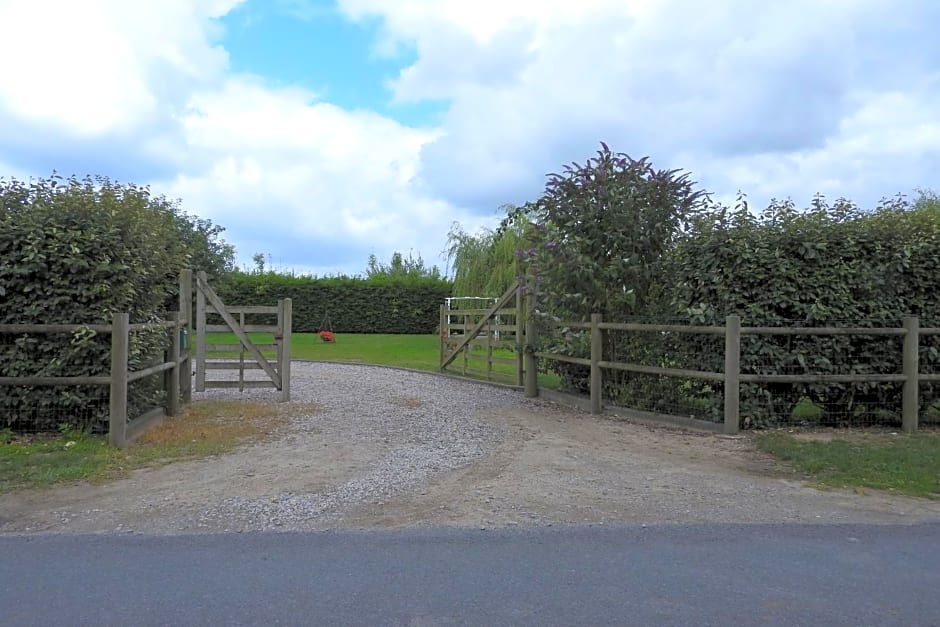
(906,464)
(203,429)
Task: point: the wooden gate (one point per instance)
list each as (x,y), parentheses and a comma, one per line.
(494,336)
(233,356)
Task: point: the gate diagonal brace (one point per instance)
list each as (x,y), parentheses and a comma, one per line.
(242,336)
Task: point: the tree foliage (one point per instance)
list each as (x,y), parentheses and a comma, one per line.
(616,236)
(602,231)
(401,267)
(604,228)
(489,262)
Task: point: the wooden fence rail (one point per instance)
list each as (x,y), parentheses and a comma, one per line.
(732,377)
(175,369)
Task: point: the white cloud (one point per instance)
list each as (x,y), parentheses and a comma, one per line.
(775,99)
(314,185)
(279,157)
(101,66)
(767,97)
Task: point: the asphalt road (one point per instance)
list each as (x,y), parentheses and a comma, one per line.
(657,575)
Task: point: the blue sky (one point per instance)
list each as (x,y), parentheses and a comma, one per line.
(319,132)
(315,46)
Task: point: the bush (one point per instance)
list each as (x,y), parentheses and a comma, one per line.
(828,266)
(602,230)
(75,252)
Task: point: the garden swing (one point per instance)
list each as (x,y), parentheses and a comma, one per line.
(326,329)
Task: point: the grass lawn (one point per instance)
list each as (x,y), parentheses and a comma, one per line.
(906,464)
(421,352)
(202,429)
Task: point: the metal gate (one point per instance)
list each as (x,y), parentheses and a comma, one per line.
(246,355)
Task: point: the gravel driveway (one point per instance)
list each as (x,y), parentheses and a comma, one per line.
(392,448)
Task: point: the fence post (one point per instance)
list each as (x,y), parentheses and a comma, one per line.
(520,333)
(287,321)
(200,333)
(442,330)
(186,315)
(531,345)
(117,410)
(489,346)
(732,374)
(597,350)
(173,380)
(911,395)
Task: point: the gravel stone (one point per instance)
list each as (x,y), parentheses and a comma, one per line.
(436,437)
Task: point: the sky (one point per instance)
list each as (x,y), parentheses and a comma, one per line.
(318,132)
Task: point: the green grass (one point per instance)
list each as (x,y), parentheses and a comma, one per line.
(421,352)
(906,464)
(46,460)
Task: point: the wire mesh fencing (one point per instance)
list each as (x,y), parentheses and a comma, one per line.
(635,359)
(785,372)
(850,377)
(55,377)
(34,398)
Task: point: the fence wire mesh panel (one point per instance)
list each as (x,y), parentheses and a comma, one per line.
(51,405)
(929,364)
(51,408)
(672,395)
(147,348)
(841,347)
(675,394)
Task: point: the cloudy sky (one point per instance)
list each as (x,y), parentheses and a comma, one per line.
(320,131)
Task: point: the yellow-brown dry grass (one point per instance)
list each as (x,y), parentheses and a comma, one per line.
(215,427)
(203,429)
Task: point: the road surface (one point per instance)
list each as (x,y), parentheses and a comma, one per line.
(597,575)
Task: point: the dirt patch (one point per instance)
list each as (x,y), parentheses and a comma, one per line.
(558,467)
(408,402)
(395,449)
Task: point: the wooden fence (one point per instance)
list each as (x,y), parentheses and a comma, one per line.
(732,377)
(278,372)
(176,378)
(484,343)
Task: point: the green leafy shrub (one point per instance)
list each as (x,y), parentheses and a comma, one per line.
(602,230)
(831,265)
(75,252)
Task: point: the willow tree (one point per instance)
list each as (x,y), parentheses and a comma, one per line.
(488,262)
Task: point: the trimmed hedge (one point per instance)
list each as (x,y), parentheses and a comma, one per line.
(353,305)
(828,266)
(75,251)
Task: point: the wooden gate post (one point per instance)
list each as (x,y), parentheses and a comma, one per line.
(732,374)
(173,374)
(442,331)
(286,317)
(117,409)
(201,333)
(531,344)
(910,407)
(597,349)
(186,316)
(520,333)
